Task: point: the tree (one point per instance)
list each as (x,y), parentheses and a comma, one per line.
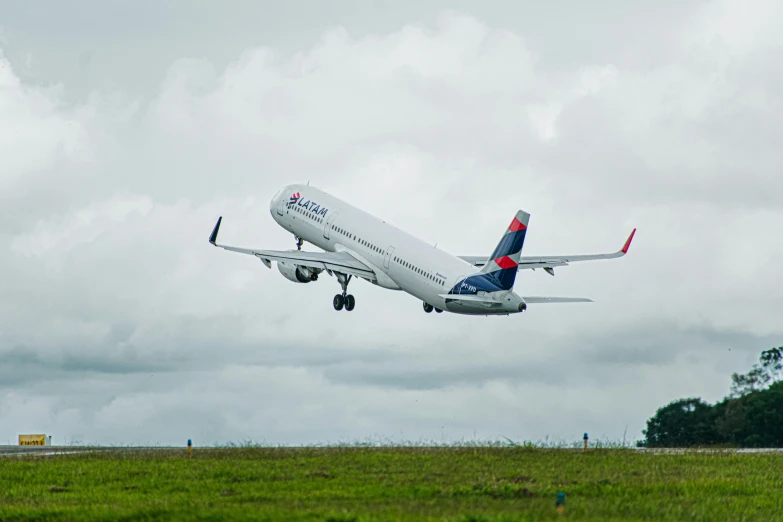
(762,425)
(682,423)
(730,420)
(768,371)
(751,417)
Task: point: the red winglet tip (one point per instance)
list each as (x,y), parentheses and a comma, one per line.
(628,243)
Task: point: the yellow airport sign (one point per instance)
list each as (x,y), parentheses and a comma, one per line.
(32,440)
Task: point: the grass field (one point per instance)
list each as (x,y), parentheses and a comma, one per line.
(462,483)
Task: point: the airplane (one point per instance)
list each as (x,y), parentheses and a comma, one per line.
(357,244)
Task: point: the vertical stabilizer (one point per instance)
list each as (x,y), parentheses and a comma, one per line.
(503,264)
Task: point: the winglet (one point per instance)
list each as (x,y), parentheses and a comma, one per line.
(625,247)
(213,235)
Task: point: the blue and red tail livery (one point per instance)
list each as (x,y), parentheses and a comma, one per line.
(500,271)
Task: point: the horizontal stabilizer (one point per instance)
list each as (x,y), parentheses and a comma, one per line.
(541,300)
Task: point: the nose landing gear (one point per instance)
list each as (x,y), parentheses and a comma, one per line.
(344,300)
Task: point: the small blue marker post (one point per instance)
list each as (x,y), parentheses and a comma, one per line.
(560,502)
(190,449)
(585,439)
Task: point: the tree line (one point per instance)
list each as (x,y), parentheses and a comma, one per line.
(750,417)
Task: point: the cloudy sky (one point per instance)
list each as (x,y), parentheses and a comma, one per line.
(126,129)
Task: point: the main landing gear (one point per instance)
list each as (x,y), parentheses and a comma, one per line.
(429,308)
(299,242)
(345,299)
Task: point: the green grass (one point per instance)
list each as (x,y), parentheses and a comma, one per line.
(461,484)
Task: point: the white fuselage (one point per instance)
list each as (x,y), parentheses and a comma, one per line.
(400,260)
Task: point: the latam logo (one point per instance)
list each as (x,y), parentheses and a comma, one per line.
(308,205)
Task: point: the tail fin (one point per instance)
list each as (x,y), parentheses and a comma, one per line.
(504,261)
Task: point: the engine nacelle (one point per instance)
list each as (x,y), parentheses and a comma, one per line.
(298,274)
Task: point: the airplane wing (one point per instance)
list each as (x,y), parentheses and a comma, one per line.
(529,300)
(544,300)
(548,263)
(342,262)
(489,302)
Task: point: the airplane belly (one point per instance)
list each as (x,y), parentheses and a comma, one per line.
(425,292)
(469,308)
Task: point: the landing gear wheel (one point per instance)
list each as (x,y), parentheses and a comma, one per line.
(428,307)
(439,310)
(344,300)
(299,242)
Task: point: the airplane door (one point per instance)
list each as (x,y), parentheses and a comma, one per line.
(281,205)
(328,224)
(387,258)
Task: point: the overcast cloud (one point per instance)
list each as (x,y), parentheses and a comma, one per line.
(126,131)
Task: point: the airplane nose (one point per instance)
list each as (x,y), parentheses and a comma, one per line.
(273,204)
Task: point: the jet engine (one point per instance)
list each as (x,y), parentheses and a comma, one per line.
(298,274)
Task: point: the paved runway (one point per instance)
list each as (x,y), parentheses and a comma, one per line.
(47,451)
